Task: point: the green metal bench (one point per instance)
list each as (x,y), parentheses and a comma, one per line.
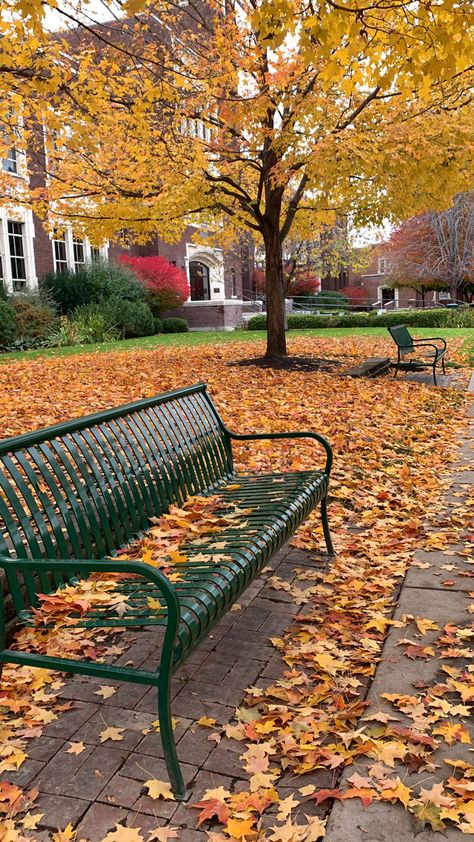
(73,494)
(407,345)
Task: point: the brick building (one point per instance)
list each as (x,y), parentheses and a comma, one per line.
(374,279)
(216,277)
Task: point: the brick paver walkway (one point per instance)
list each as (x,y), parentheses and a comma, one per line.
(103,785)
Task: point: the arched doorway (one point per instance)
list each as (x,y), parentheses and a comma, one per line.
(199,281)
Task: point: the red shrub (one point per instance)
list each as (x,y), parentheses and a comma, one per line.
(167,285)
(357,295)
(303,284)
(259,280)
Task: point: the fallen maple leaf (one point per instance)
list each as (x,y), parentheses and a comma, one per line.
(210,808)
(162,834)
(207,721)
(436,795)
(124,834)
(453,733)
(30,821)
(159,789)
(241,828)
(64,835)
(316,828)
(285,807)
(105,691)
(75,748)
(111,733)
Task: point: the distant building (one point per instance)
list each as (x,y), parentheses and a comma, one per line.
(374,279)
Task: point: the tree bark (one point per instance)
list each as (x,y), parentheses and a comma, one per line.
(275,289)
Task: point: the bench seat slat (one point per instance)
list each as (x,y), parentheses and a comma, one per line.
(209,588)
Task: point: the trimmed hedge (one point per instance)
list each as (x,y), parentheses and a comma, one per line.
(94,283)
(174,325)
(462,317)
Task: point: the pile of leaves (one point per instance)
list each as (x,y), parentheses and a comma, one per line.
(394,442)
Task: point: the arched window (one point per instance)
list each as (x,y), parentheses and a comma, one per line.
(199,281)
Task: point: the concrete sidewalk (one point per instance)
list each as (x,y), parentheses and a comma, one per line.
(423,593)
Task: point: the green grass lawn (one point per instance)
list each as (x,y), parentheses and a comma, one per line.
(206,337)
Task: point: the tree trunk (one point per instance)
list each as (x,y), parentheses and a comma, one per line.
(275,287)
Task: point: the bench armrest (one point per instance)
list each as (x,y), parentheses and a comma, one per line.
(421,343)
(297,435)
(430,340)
(87,566)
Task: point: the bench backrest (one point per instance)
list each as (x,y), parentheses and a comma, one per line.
(81,489)
(402,337)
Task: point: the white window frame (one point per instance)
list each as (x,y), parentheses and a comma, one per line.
(25,218)
(13,158)
(382,266)
(196,127)
(69,239)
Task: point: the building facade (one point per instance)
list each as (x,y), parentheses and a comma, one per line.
(374,279)
(216,277)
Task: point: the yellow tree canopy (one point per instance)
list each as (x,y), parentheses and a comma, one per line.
(267,115)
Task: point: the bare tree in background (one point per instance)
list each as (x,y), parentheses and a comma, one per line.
(435,250)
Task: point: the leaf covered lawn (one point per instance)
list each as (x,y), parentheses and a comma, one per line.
(394,442)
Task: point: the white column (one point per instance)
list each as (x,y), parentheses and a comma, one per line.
(29,249)
(69,248)
(5,252)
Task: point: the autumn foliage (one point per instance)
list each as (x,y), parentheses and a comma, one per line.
(435,250)
(301,283)
(393,443)
(357,295)
(268,117)
(167,285)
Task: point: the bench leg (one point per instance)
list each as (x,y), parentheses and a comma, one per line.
(327,534)
(168,742)
(434,374)
(442,364)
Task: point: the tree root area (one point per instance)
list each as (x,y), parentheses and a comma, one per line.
(291,363)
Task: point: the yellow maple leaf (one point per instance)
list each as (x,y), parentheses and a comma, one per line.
(328,663)
(207,721)
(316,828)
(64,835)
(425,625)
(124,834)
(159,789)
(75,748)
(30,821)
(400,792)
(240,828)
(106,691)
(111,733)
(453,733)
(177,557)
(307,790)
(153,603)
